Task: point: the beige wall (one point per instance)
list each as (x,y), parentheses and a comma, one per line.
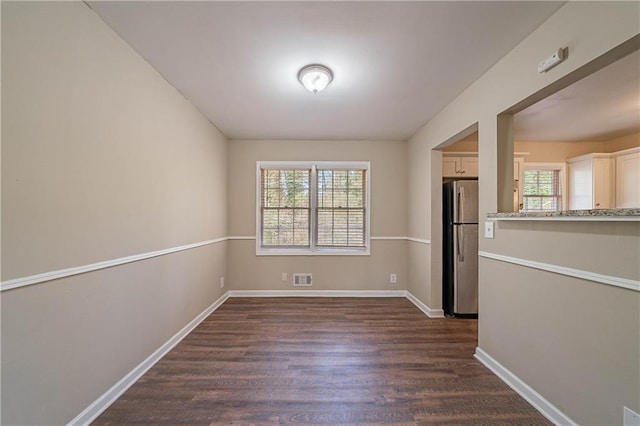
(539,152)
(566,332)
(463,146)
(101,159)
(388,217)
(622,143)
(569,339)
(556,151)
(571,304)
(559,152)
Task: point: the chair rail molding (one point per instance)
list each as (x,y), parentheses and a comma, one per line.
(68,272)
(563,270)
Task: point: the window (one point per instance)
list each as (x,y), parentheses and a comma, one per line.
(542,188)
(312,208)
(286,207)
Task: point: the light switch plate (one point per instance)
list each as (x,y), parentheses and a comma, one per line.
(488,229)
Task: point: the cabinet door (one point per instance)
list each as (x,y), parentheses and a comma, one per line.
(602,193)
(581,185)
(628,181)
(450,166)
(469,166)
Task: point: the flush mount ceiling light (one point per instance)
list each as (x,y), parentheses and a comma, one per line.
(315,78)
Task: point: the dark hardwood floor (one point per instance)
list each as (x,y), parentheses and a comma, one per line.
(322,361)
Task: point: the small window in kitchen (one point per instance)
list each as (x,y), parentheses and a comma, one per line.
(542,187)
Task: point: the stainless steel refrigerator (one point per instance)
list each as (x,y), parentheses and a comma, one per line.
(460,248)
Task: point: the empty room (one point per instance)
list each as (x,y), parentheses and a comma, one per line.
(422,212)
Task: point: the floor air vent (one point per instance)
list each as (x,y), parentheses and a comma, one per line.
(302,280)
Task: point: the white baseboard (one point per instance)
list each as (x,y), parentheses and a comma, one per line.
(546,408)
(109,397)
(431,313)
(317,293)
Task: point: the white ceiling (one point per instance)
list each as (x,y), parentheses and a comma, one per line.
(396,64)
(600,107)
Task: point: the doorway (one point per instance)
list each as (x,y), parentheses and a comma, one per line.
(458,223)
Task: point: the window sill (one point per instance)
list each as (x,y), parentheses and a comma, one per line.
(319,252)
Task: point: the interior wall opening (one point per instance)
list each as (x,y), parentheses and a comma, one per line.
(456,219)
(578,146)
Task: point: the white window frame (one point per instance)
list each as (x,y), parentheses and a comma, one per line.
(314,250)
(562,167)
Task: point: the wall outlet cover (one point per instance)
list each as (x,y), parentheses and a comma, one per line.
(488,229)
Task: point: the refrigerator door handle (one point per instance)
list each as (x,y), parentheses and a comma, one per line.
(460,243)
(461,204)
(455,195)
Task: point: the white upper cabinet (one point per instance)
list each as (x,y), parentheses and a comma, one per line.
(627,165)
(460,165)
(450,166)
(469,166)
(590,182)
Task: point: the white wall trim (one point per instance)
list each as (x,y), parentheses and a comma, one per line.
(419,240)
(431,313)
(545,407)
(562,270)
(392,238)
(76,270)
(62,273)
(96,408)
(317,293)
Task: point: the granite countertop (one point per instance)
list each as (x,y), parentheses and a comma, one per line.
(599,214)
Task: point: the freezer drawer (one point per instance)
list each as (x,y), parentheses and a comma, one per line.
(465,269)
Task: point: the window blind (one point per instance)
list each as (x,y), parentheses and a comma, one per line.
(340,213)
(541,190)
(285,207)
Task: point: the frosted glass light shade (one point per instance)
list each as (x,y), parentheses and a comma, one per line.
(315,78)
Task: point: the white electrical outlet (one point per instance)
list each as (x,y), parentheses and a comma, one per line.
(630,418)
(284,276)
(221,282)
(393,278)
(488,229)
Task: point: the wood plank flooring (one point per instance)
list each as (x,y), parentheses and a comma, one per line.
(322,361)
